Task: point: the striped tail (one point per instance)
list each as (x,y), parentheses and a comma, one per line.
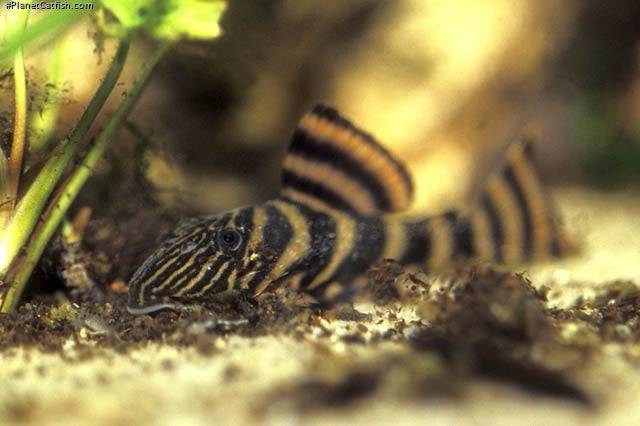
(512,221)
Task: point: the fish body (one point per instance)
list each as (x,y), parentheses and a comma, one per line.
(336,216)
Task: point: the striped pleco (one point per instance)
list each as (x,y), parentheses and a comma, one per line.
(334,220)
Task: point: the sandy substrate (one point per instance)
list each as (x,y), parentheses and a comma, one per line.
(360,368)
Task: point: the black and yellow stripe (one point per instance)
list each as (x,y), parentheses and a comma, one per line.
(518,213)
(330,224)
(333,161)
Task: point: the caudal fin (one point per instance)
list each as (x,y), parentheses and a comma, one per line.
(514,219)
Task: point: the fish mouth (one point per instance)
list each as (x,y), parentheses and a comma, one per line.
(150,309)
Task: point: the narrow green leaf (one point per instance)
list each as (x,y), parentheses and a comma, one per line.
(45,29)
(19,138)
(72,187)
(5,204)
(31,205)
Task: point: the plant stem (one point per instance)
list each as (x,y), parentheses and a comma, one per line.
(30,206)
(20,117)
(70,190)
(5,207)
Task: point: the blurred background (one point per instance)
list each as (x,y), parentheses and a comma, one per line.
(445,85)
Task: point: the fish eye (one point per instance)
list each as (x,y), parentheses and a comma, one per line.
(229,239)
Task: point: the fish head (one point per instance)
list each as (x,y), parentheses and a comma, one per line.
(200,259)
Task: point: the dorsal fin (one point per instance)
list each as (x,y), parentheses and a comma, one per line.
(514,218)
(332,161)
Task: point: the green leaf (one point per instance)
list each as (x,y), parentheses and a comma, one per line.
(168,19)
(132,14)
(48,27)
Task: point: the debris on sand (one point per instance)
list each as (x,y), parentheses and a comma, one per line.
(475,324)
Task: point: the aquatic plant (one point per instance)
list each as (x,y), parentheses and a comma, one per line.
(32,209)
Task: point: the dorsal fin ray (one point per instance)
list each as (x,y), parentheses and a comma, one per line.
(514,218)
(332,161)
